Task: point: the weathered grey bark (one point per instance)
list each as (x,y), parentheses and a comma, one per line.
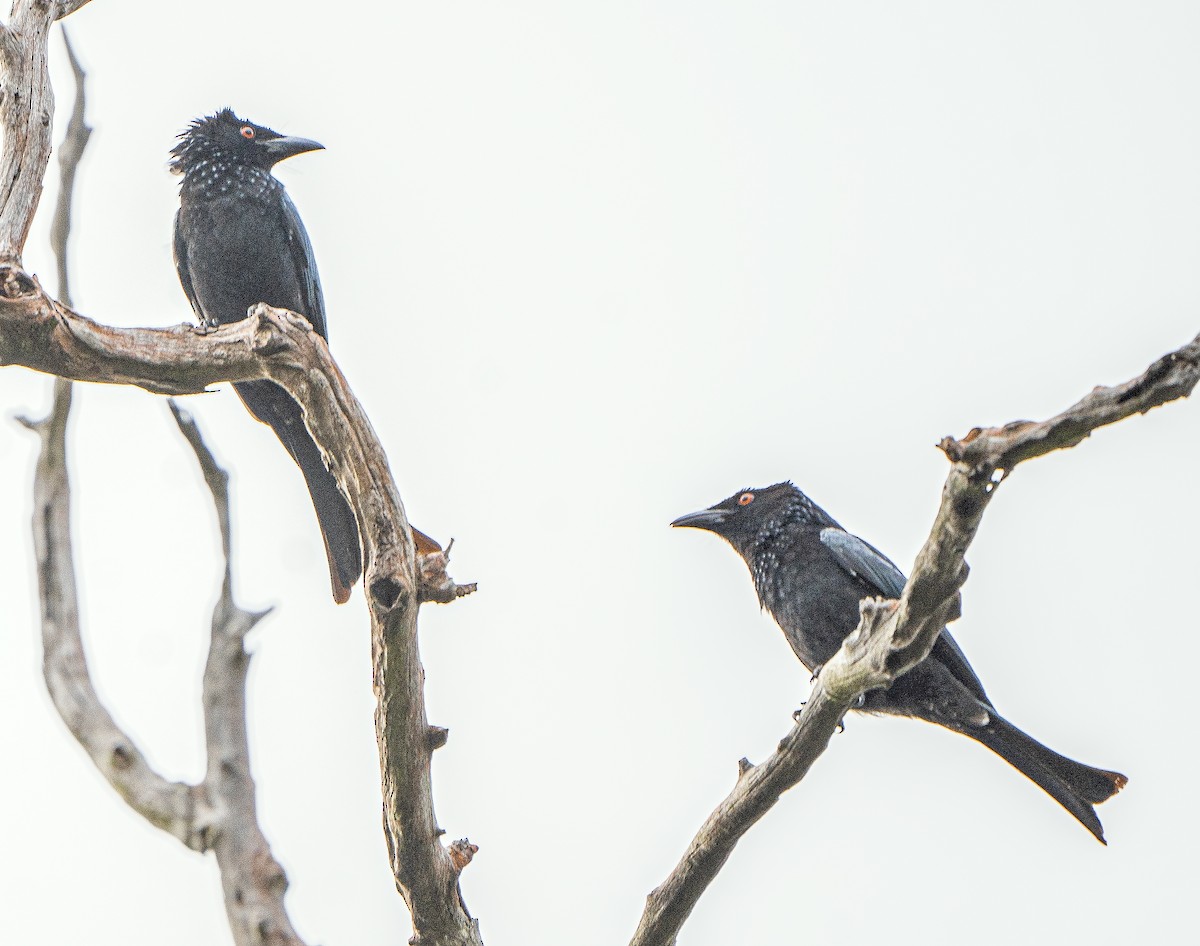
(70,153)
(252,880)
(172,806)
(26,116)
(280,345)
(894,636)
(40,332)
(218,814)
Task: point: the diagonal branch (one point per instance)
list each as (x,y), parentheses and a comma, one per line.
(39,333)
(892,637)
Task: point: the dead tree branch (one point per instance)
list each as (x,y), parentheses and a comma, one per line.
(41,333)
(26,115)
(70,153)
(218,814)
(67,7)
(254,883)
(892,637)
(173,806)
(280,345)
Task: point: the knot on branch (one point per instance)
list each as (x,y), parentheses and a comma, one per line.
(270,326)
(387,593)
(15,283)
(461,852)
(982,445)
(862,662)
(267,873)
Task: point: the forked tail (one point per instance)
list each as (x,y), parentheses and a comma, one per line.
(1075,786)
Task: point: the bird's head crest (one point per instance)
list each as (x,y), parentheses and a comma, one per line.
(223,136)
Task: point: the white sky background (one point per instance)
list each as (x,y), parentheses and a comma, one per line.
(590,268)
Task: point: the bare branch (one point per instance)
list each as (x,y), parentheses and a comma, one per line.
(70,152)
(40,333)
(67,7)
(892,637)
(219,814)
(26,115)
(173,806)
(253,881)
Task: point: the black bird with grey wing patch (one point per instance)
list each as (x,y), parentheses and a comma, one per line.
(811,574)
(239,241)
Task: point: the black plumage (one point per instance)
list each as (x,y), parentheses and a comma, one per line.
(239,241)
(811,574)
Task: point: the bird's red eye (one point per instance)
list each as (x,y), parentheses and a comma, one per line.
(745,499)
(248,132)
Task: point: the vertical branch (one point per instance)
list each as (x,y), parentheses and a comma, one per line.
(70,153)
(252,880)
(172,806)
(26,115)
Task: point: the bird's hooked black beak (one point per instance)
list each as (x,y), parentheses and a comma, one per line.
(709,519)
(288,147)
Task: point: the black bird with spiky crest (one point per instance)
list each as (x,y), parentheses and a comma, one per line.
(811,574)
(239,241)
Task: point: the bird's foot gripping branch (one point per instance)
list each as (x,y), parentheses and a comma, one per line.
(894,636)
(39,333)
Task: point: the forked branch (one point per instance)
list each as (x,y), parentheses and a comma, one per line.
(41,333)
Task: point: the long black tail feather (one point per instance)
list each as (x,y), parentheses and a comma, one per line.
(1075,786)
(272,405)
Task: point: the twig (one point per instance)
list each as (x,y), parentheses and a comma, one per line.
(892,637)
(70,152)
(67,7)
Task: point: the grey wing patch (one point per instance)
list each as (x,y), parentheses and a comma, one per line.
(185,273)
(306,266)
(867,563)
(864,561)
